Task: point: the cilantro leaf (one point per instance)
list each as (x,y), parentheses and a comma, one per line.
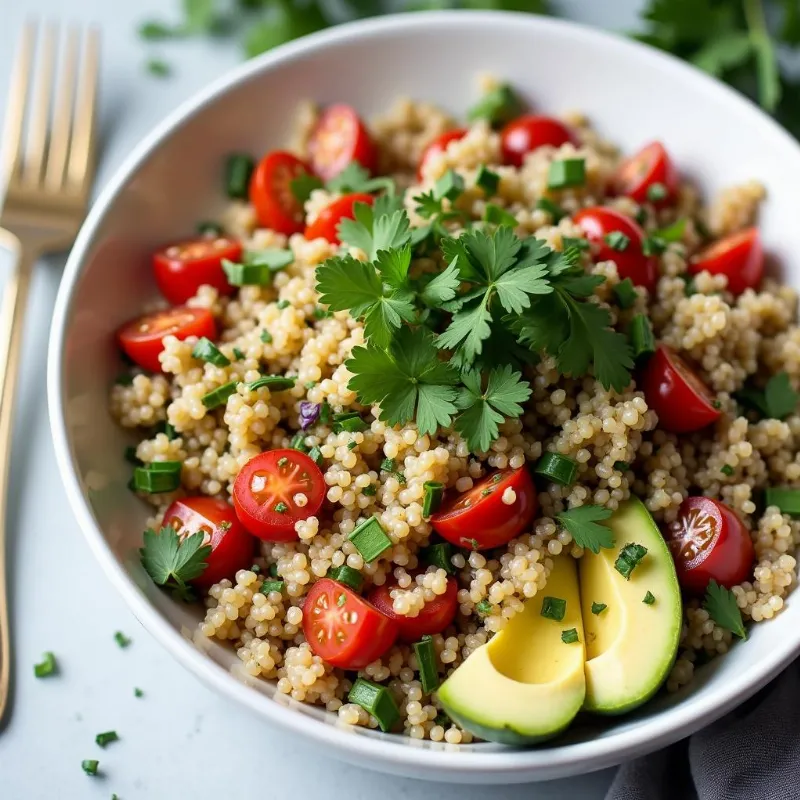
(582,523)
(723,609)
(723,52)
(467,330)
(172,562)
(442,288)
(482,411)
(776,401)
(283,22)
(381,226)
(303,185)
(355,178)
(407,380)
(393,266)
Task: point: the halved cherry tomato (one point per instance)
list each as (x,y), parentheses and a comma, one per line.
(180,269)
(479,519)
(597,222)
(265,493)
(142,338)
(271,192)
(673,390)
(344,629)
(339,138)
(439,145)
(325,226)
(433,618)
(651,165)
(232,547)
(739,256)
(708,542)
(525,134)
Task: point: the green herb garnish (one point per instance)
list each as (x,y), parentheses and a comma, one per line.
(569,636)
(206,350)
(497,106)
(89,766)
(723,609)
(370,539)
(121,639)
(566,173)
(776,401)
(554,608)
(598,608)
(46,667)
(173,562)
(106,738)
(583,524)
(628,558)
(618,241)
(649,599)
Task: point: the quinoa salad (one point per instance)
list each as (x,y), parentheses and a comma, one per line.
(444,417)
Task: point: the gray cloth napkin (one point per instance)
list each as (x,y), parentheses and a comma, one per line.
(751,754)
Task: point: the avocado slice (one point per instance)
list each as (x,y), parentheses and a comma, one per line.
(631,645)
(526,684)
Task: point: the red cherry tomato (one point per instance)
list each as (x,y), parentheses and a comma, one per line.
(434,617)
(271,192)
(142,338)
(479,519)
(338,139)
(739,256)
(598,222)
(344,629)
(529,132)
(264,493)
(673,390)
(439,145)
(651,165)
(326,225)
(708,542)
(180,269)
(232,547)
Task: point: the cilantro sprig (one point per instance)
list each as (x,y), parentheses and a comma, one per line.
(172,562)
(775,401)
(723,609)
(583,524)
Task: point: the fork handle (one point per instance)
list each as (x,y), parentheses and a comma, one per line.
(12,316)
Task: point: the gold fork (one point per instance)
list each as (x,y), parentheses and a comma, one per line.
(49,151)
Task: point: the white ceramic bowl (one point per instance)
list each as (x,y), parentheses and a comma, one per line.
(631,93)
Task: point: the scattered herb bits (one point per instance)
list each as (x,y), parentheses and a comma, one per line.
(375,700)
(121,639)
(628,558)
(105,739)
(552,208)
(484,608)
(643,342)
(554,608)
(348,576)
(90,766)
(219,396)
(566,173)
(598,608)
(434,492)
(557,468)
(157,477)
(625,293)
(649,599)
(46,667)
(495,215)
(439,555)
(487,180)
(426,663)
(238,170)
(206,350)
(275,383)
(272,585)
(137,692)
(727,470)
(622,466)
(370,539)
(497,106)
(618,241)
(569,636)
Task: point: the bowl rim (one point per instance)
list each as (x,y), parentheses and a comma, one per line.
(393,753)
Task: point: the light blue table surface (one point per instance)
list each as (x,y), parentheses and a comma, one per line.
(180,740)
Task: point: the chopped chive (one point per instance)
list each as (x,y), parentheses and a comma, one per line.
(106,738)
(674,232)
(727,469)
(497,106)
(348,576)
(495,215)
(554,608)
(272,585)
(617,240)
(553,209)
(238,354)
(283,304)
(46,667)
(281,507)
(219,396)
(131,457)
(299,443)
(426,664)
(656,192)
(266,337)
(621,466)
(569,636)
(124,379)
(640,334)
(375,700)
(565,173)
(370,539)
(349,421)
(557,468)
(206,350)
(315,454)
(450,185)
(322,313)
(628,558)
(649,599)
(212,230)
(157,477)
(483,608)
(598,608)
(439,555)
(626,293)
(787,500)
(238,170)
(487,180)
(325,413)
(137,692)
(434,491)
(387,465)
(121,639)
(275,383)
(89,766)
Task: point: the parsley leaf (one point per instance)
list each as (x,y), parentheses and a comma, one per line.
(172,562)
(381,226)
(582,523)
(776,401)
(407,380)
(723,609)
(482,411)
(442,288)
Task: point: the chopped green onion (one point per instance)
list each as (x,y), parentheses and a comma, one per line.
(375,700)
(628,558)
(322,313)
(497,106)
(640,333)
(257,267)
(598,608)
(487,180)
(157,477)
(617,240)
(653,246)
(238,354)
(325,413)
(577,243)
(370,539)
(299,443)
(348,576)
(210,229)
(557,468)
(656,192)
(649,599)
(439,555)
(46,667)
(219,396)
(106,738)
(554,608)
(238,170)
(283,304)
(206,350)
(787,500)
(569,636)
(484,607)
(626,293)
(426,664)
(450,185)
(315,454)
(275,383)
(565,173)
(350,421)
(121,639)
(272,585)
(131,457)
(137,692)
(387,465)
(370,491)
(689,287)
(495,215)
(621,466)
(434,491)
(553,209)
(89,766)
(727,469)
